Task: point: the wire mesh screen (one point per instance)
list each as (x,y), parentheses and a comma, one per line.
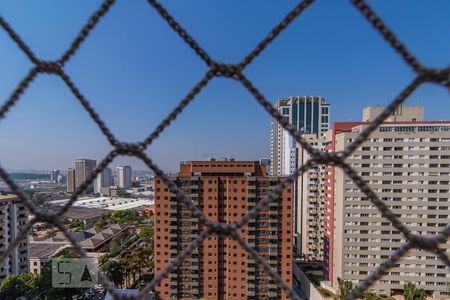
(235,72)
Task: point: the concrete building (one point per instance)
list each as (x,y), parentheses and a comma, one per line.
(308,114)
(310,209)
(14,216)
(104,179)
(220,268)
(407,164)
(266,161)
(40,253)
(71,180)
(83,168)
(124,177)
(54,175)
(403,113)
(88,215)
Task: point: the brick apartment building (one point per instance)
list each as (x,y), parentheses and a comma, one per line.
(220,269)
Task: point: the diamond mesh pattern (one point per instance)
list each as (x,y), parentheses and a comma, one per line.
(232,71)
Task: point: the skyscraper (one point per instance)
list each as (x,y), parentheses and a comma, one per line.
(310,208)
(220,268)
(54,175)
(104,179)
(71,180)
(309,115)
(83,168)
(124,177)
(15,216)
(406,162)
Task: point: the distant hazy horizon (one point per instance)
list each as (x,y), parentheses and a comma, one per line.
(134,73)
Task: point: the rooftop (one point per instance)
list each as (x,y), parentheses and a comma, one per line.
(7,196)
(102,235)
(222,166)
(106,203)
(44,250)
(81,213)
(89,239)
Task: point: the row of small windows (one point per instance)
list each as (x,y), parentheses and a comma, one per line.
(429,191)
(403,182)
(400,140)
(356,156)
(419,165)
(413,128)
(410,148)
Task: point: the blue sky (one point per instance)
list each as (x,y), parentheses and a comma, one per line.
(134,69)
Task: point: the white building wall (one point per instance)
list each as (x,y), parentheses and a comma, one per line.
(408,167)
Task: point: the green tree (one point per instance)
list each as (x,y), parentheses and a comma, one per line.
(374,296)
(16,286)
(123,216)
(411,292)
(40,200)
(68,252)
(100,223)
(345,287)
(146,233)
(115,270)
(76,224)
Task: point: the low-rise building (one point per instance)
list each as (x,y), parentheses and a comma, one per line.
(40,253)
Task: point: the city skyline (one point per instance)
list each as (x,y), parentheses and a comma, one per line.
(348,199)
(154,79)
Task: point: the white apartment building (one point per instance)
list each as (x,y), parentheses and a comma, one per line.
(84,168)
(407,164)
(124,177)
(104,179)
(13,217)
(309,223)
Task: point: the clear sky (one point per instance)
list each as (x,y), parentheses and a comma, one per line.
(134,69)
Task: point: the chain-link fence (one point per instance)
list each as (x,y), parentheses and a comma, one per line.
(235,72)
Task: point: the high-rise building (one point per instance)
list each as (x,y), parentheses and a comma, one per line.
(309,115)
(220,268)
(266,162)
(310,207)
(124,177)
(54,175)
(15,216)
(104,179)
(407,164)
(83,168)
(71,180)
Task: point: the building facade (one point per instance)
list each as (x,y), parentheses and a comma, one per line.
(407,164)
(83,168)
(309,115)
(40,253)
(220,268)
(13,219)
(71,180)
(104,179)
(124,177)
(54,175)
(310,209)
